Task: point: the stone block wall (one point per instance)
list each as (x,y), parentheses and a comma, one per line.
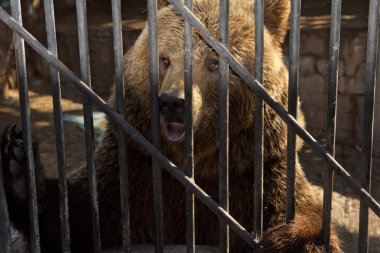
(314,69)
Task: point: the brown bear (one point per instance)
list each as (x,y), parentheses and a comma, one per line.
(302,235)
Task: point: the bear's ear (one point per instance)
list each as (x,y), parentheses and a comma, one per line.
(277,18)
(162,3)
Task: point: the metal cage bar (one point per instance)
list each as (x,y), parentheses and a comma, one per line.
(336,6)
(294,41)
(84,56)
(189,133)
(259,122)
(27,130)
(155,114)
(372,47)
(59,132)
(223,126)
(122,138)
(5,233)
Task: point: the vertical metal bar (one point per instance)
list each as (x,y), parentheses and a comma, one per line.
(223,126)
(259,121)
(372,46)
(154,89)
(336,7)
(27,130)
(122,140)
(59,132)
(292,106)
(189,138)
(88,121)
(5,236)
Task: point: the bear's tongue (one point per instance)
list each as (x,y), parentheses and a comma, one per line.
(175,132)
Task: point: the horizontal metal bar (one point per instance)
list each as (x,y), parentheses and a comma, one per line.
(27,129)
(84,57)
(275,105)
(336,6)
(5,233)
(372,54)
(128,128)
(59,132)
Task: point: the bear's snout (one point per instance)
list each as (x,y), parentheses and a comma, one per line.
(172,107)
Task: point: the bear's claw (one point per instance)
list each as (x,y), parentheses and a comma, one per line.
(13,153)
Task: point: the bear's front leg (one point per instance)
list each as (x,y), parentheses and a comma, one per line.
(303,234)
(14,165)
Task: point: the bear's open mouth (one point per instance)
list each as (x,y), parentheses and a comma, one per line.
(174,132)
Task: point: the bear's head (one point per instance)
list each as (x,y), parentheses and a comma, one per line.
(206,77)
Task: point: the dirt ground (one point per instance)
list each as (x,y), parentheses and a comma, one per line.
(43,123)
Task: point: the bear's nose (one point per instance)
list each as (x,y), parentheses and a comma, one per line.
(172,107)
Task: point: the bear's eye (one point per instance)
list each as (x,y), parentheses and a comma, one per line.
(165,61)
(212,65)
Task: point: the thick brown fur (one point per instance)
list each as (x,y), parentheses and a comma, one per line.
(302,235)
